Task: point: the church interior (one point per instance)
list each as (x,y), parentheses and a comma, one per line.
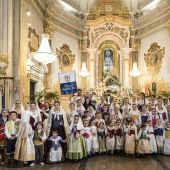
(117,45)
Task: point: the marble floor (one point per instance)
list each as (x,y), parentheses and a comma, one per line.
(117,162)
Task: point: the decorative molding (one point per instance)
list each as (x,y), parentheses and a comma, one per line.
(34,40)
(109,28)
(65,58)
(154,58)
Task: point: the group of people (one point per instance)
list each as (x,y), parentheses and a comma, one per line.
(138,126)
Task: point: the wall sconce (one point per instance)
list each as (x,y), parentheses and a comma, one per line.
(15,88)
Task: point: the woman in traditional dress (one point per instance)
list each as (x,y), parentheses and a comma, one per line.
(79,107)
(32,115)
(76,144)
(71,113)
(142,101)
(91,112)
(101,105)
(126,104)
(19,108)
(57,120)
(25,150)
(47,107)
(113,105)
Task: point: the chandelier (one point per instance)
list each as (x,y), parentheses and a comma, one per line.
(44,54)
(84,72)
(135,72)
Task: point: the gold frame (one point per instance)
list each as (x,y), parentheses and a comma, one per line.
(3,58)
(32,31)
(65,51)
(154,58)
(116,67)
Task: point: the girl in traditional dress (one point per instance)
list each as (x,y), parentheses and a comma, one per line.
(56,152)
(79,107)
(11,132)
(32,115)
(25,150)
(88,103)
(134,100)
(167,139)
(162,112)
(110,132)
(150,133)
(76,145)
(47,107)
(92,112)
(57,120)
(101,104)
(158,132)
(99,119)
(131,138)
(135,115)
(119,136)
(125,104)
(71,113)
(142,101)
(3,120)
(125,127)
(101,138)
(94,140)
(106,117)
(126,113)
(144,114)
(87,137)
(113,104)
(143,145)
(116,114)
(154,117)
(18,107)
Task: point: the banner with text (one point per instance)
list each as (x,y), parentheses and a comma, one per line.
(68,83)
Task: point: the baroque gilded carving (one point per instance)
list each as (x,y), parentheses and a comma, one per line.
(109,28)
(108,7)
(3,64)
(154,58)
(135,44)
(65,58)
(157,86)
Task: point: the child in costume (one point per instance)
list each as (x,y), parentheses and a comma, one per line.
(87,136)
(56,152)
(3,120)
(11,130)
(143,145)
(135,115)
(101,138)
(144,114)
(158,132)
(153,117)
(76,144)
(94,139)
(99,119)
(119,136)
(150,133)
(39,138)
(110,137)
(131,138)
(167,139)
(125,127)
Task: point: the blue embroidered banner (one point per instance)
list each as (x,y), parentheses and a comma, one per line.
(68,83)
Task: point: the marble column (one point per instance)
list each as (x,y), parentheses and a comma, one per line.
(92,53)
(126,52)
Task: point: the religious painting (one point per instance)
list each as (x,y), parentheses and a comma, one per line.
(108,59)
(33,40)
(154,87)
(154,58)
(65,58)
